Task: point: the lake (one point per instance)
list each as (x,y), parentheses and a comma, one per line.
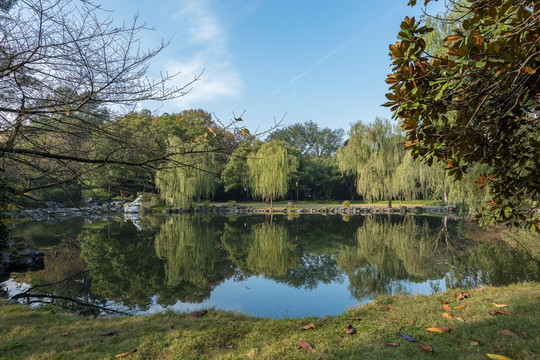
(276,266)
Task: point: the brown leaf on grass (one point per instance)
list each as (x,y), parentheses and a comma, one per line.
(507,332)
(349,329)
(357,318)
(196,314)
(304,344)
(391,307)
(405,337)
(110,333)
(447,316)
(474,343)
(309,326)
(66,333)
(459,318)
(443,301)
(126,354)
(459,307)
(462,296)
(441,329)
(447,308)
(426,347)
(524,335)
(392,344)
(498,312)
(499,305)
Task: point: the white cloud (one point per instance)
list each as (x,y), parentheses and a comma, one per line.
(201,46)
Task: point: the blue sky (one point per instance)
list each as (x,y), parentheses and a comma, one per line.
(324,61)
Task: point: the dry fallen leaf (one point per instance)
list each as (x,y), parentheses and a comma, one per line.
(462,296)
(498,312)
(499,305)
(392,344)
(474,343)
(524,335)
(357,318)
(390,306)
(126,354)
(309,326)
(304,344)
(507,332)
(196,314)
(459,318)
(447,316)
(66,333)
(441,329)
(497,357)
(443,301)
(460,307)
(426,347)
(447,308)
(349,329)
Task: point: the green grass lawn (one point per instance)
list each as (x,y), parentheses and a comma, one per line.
(45,334)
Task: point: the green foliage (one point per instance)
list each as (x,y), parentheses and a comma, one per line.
(189,176)
(270,170)
(373,154)
(236,172)
(309,139)
(477,101)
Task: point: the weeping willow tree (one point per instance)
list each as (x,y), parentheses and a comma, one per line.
(270,170)
(386,252)
(188,246)
(373,153)
(189,176)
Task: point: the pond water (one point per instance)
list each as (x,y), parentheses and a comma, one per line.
(259,265)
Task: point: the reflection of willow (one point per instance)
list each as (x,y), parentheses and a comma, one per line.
(386,252)
(190,251)
(265,249)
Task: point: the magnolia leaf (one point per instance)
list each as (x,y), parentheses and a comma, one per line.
(507,332)
(126,354)
(462,296)
(309,326)
(441,329)
(447,316)
(447,308)
(426,347)
(349,329)
(196,314)
(497,357)
(452,38)
(499,305)
(459,318)
(498,312)
(459,307)
(304,344)
(405,337)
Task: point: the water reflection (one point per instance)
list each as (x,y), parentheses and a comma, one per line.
(184,258)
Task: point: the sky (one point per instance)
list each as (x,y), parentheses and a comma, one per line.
(275,60)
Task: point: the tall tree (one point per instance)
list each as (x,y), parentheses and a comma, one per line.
(309,139)
(61,64)
(270,170)
(372,154)
(479,102)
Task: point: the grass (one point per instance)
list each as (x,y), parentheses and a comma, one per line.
(38,334)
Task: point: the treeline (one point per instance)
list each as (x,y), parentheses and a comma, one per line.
(203,159)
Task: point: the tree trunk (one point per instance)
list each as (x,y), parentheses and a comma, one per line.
(389,202)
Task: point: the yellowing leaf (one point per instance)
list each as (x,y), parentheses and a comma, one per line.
(499,305)
(447,316)
(459,307)
(127,353)
(459,318)
(441,329)
(497,357)
(452,38)
(309,326)
(529,70)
